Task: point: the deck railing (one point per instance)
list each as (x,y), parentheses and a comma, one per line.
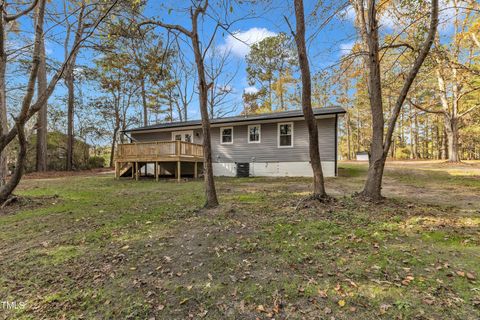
(157,150)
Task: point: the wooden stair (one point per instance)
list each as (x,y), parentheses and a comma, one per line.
(126,170)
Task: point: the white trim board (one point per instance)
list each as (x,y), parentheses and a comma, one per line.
(278,134)
(274,169)
(259,133)
(228,124)
(221,135)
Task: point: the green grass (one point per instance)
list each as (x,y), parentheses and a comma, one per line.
(100,248)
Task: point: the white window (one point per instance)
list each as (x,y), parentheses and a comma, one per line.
(285,135)
(226,135)
(254,133)
(186,136)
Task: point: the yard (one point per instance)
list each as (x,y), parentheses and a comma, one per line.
(93,247)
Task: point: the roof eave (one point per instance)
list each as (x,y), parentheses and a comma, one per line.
(339,110)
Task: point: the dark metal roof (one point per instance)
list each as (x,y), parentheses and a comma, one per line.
(242,118)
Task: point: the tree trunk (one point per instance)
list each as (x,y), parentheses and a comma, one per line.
(3,102)
(42,124)
(7,189)
(114,142)
(373,184)
(69,81)
(144,102)
(314,150)
(270,98)
(210,192)
(347,124)
(380,144)
(452,135)
(415,136)
(413,152)
(282,99)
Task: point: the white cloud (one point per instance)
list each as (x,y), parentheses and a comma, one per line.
(346,47)
(250,90)
(239,42)
(386,19)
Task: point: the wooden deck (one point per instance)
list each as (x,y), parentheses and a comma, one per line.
(131,157)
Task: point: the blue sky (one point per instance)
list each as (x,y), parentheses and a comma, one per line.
(326,45)
(258,22)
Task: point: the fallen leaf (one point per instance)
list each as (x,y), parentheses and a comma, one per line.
(384,308)
(470,276)
(260,308)
(322,294)
(184,301)
(160,307)
(460,273)
(327,310)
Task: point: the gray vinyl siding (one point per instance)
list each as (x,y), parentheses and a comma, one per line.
(164,136)
(265,151)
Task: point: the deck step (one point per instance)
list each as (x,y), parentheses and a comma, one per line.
(126,170)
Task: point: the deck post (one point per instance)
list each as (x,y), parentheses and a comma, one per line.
(137,177)
(195,170)
(133,170)
(179,171)
(177,147)
(156,171)
(116,170)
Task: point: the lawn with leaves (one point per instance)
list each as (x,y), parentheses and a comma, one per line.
(94,247)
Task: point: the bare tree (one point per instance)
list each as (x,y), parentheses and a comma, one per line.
(5,20)
(9,186)
(220,102)
(42,124)
(367,24)
(203,87)
(314,150)
(69,75)
(185,81)
(29,109)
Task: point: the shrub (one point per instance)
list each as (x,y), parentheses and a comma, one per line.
(96,162)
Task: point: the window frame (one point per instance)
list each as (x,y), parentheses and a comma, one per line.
(221,135)
(182,133)
(278,134)
(259,133)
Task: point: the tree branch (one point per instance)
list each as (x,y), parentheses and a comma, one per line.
(417,106)
(398,45)
(9,18)
(166,26)
(425,49)
(468,111)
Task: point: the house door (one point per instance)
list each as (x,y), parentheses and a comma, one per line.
(186,136)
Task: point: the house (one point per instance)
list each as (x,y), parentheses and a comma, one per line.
(271,144)
(362,156)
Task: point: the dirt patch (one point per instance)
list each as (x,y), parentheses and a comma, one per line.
(17,203)
(61,174)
